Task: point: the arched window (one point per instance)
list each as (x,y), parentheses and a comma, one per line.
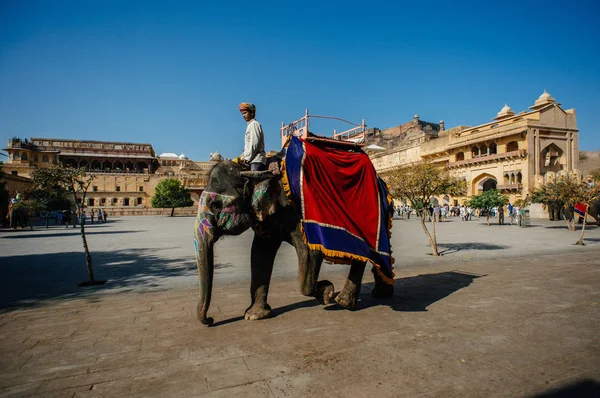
(483,150)
(35,158)
(24,156)
(16,156)
(506,178)
(475,151)
(44,158)
(493,148)
(489,184)
(460,156)
(519,178)
(512,146)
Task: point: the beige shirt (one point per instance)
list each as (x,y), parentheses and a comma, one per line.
(254,147)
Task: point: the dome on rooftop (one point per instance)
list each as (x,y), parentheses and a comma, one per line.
(168,155)
(182,156)
(544,99)
(505,112)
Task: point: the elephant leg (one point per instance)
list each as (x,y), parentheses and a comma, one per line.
(262,257)
(309,267)
(348,297)
(381,289)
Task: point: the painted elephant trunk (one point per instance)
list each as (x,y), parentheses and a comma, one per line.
(206,268)
(204,239)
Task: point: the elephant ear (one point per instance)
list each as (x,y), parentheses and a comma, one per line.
(265,196)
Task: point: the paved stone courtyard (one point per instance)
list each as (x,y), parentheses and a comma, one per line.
(506,311)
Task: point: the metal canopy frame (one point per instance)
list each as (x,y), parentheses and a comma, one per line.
(300,128)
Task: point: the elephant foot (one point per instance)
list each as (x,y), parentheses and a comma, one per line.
(347,299)
(257,311)
(324,292)
(383,291)
(202,316)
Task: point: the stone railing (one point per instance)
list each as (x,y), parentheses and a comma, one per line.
(521,153)
(509,186)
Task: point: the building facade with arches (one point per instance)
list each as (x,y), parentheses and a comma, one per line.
(513,153)
(126,173)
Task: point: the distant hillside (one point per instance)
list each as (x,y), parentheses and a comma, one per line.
(589,161)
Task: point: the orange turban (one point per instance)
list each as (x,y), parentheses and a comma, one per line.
(247,106)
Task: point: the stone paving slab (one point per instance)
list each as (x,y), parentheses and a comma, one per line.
(506,327)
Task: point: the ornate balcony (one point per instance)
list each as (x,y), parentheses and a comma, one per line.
(509,187)
(521,153)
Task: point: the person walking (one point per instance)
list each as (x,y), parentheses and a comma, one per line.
(501,215)
(254,144)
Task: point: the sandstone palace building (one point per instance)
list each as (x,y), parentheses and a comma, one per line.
(514,153)
(126,173)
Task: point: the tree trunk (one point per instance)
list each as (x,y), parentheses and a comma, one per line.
(570,226)
(172,212)
(88,256)
(431,241)
(433,237)
(487,219)
(580,241)
(46,221)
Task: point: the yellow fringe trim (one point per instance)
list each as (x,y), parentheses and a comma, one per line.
(340,257)
(391,220)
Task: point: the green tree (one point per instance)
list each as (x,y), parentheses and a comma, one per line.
(417,183)
(487,201)
(562,194)
(46,194)
(170,193)
(52,184)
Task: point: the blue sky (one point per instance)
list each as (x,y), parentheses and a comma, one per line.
(172,73)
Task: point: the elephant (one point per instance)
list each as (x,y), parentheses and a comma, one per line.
(236,200)
(554,210)
(594,211)
(19,217)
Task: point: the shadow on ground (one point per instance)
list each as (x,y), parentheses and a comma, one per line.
(30,280)
(581,389)
(412,294)
(450,248)
(416,293)
(72,232)
(588,227)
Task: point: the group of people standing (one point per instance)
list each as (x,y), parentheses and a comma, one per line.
(439,213)
(98,215)
(401,211)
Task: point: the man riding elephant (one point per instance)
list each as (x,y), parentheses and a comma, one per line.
(235,200)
